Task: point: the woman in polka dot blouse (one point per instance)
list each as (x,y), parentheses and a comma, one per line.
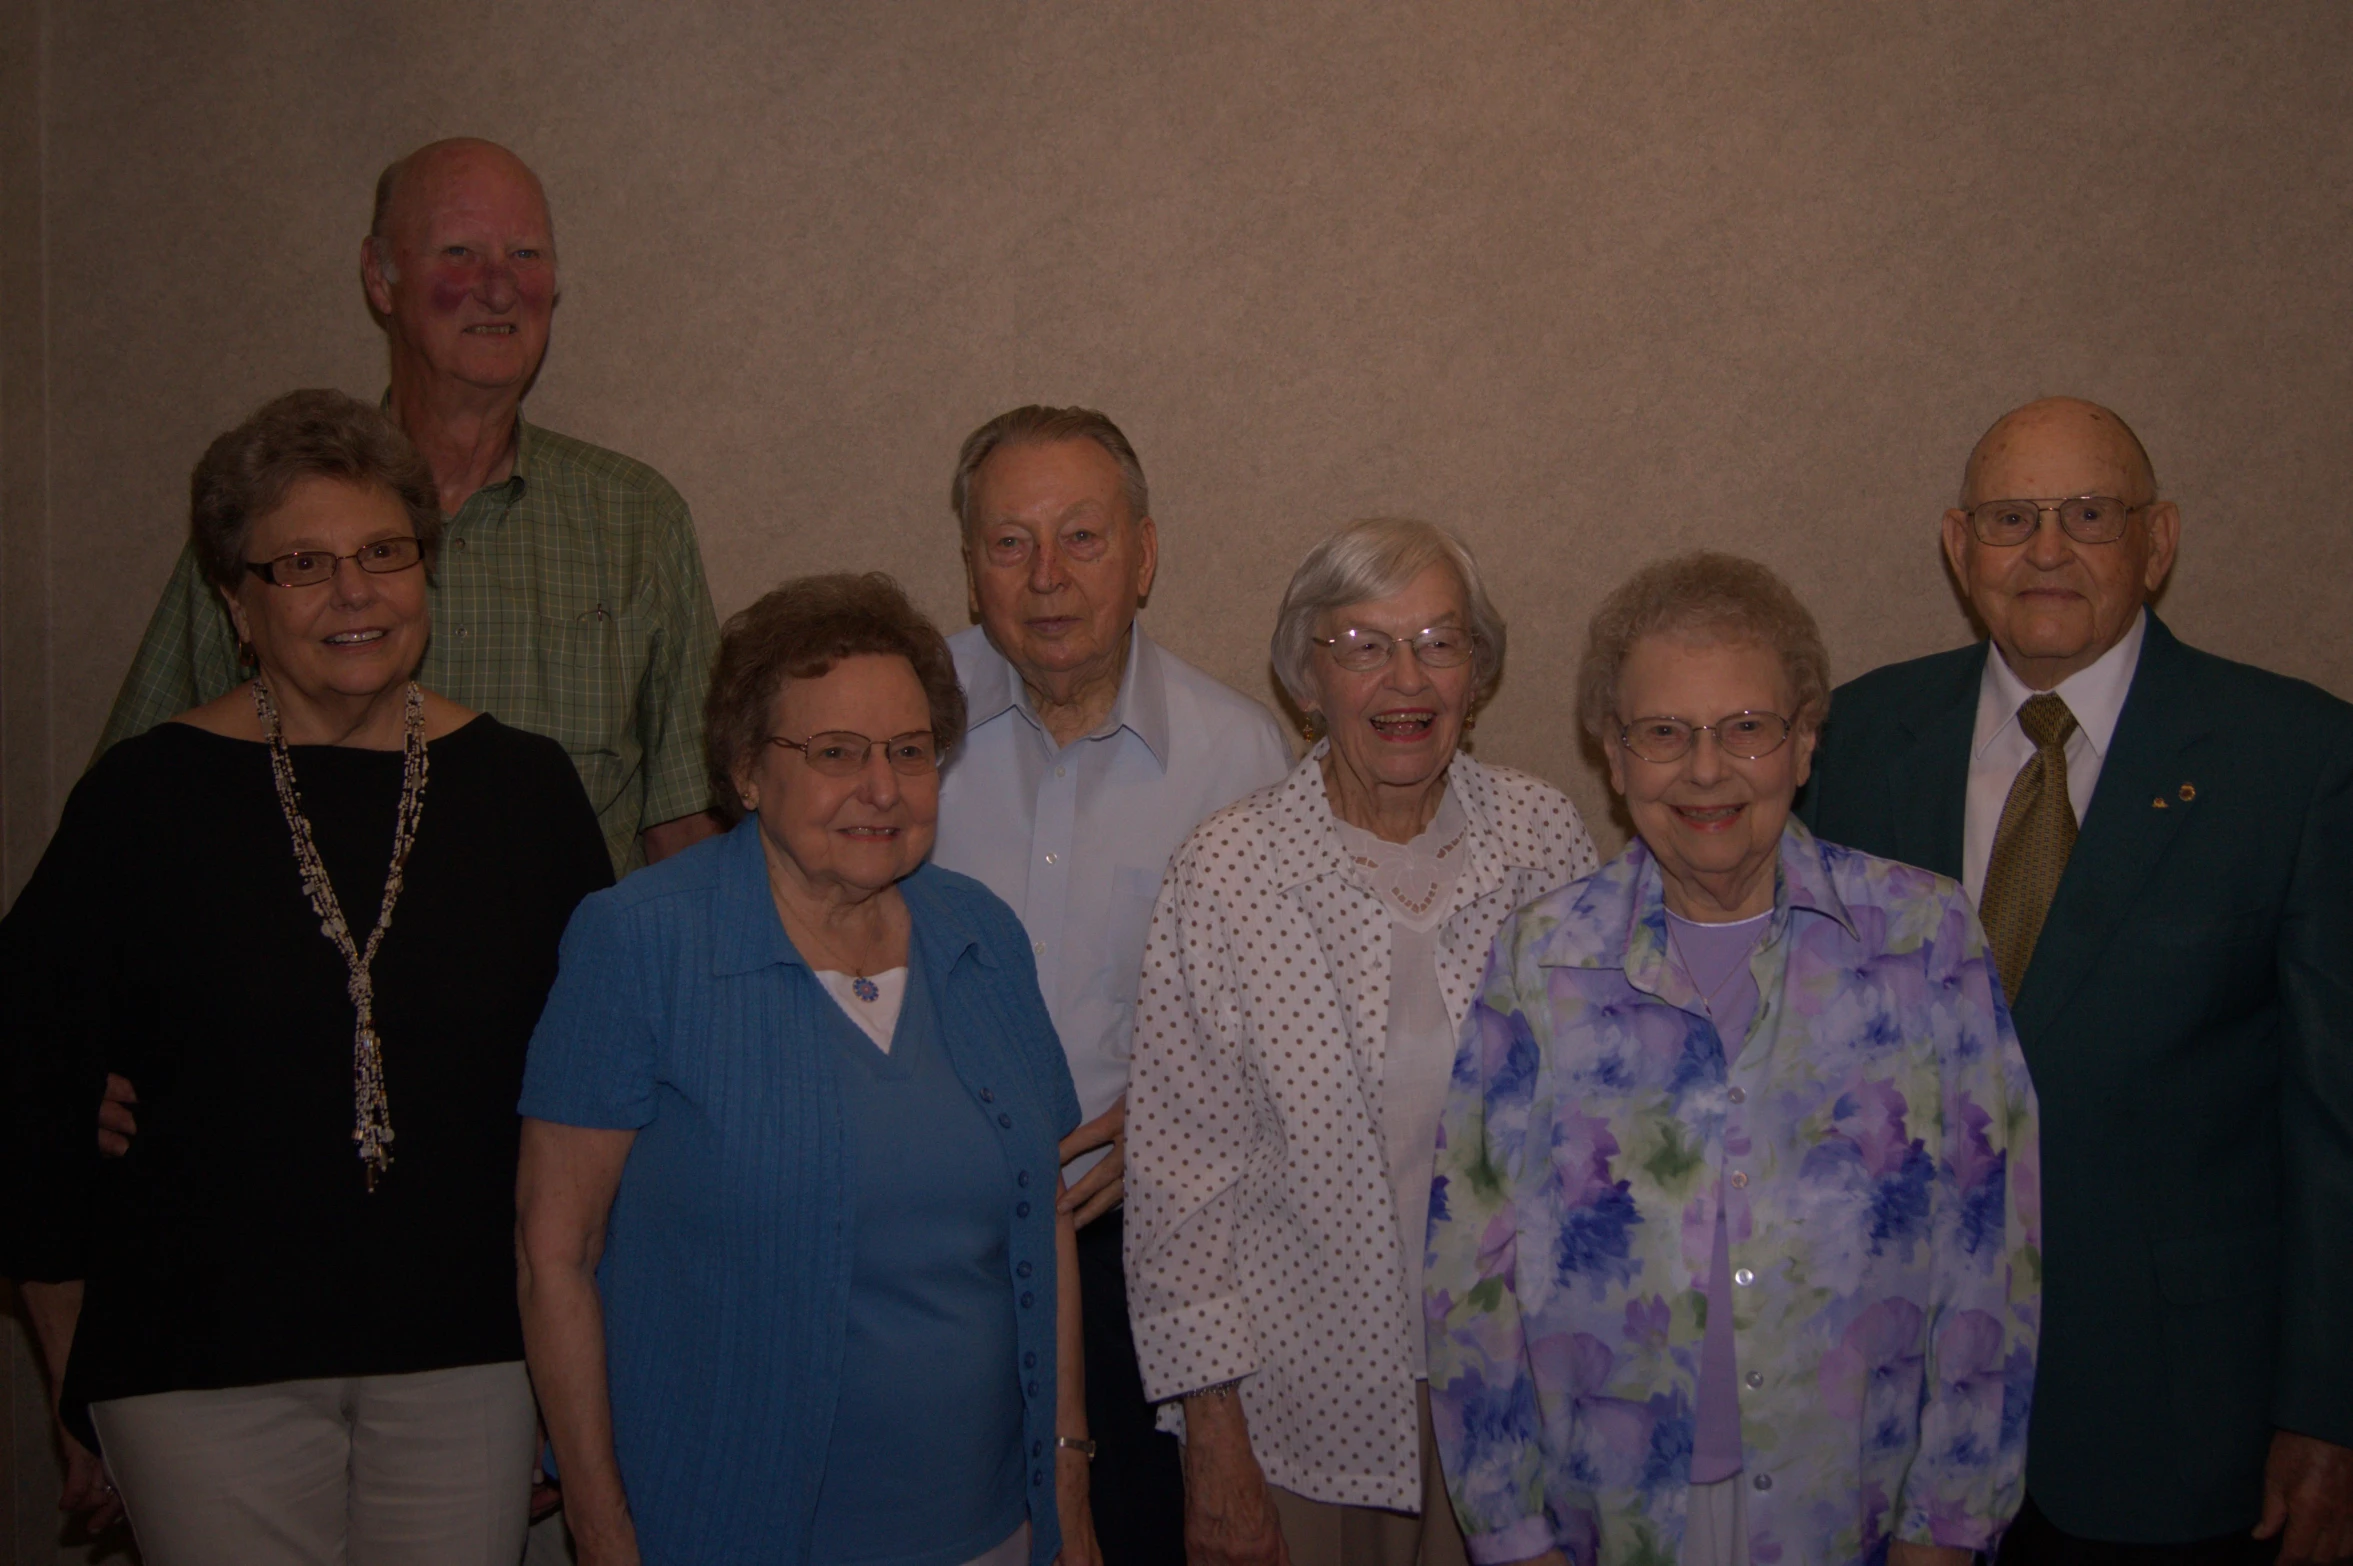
(1313,952)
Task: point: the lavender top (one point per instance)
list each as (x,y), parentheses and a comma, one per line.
(1715,959)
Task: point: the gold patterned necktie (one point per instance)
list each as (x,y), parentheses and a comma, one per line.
(2031,844)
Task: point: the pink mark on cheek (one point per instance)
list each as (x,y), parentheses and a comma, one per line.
(451,287)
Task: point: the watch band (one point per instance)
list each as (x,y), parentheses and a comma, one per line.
(1079,1444)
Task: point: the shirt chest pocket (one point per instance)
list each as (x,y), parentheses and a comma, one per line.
(586,668)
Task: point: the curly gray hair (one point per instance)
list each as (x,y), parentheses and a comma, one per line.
(1703,594)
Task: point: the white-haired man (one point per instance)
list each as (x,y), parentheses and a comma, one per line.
(1092,753)
(569,597)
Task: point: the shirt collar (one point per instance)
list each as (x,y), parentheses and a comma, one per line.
(748,933)
(749,936)
(1141,706)
(2095,694)
(1801,884)
(516,484)
(1305,837)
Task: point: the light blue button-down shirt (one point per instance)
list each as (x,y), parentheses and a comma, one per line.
(1075,837)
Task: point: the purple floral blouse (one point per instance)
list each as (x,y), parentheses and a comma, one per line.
(1875,1146)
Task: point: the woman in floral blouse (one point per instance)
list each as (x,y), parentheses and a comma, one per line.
(1733,1239)
(1313,952)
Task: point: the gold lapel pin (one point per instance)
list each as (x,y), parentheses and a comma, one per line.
(2188,791)
(2160,803)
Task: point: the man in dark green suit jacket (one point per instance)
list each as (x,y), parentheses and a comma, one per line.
(2187,1009)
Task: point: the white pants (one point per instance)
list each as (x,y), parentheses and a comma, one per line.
(430,1469)
(1715,1529)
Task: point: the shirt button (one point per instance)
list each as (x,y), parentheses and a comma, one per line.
(1033,1389)
(461,633)
(1006,1121)
(1021,1178)
(1058,771)
(1037,1449)
(1024,1270)
(1739,1095)
(1739,1179)
(457,543)
(1037,1479)
(1755,1379)
(1021,1210)
(1744,1277)
(1036,946)
(1027,1300)
(1051,858)
(1763,1481)
(987,1096)
(1029,1361)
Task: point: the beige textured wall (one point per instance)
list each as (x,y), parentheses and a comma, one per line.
(1591,282)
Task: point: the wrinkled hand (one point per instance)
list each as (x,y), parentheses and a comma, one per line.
(116,1124)
(1073,1479)
(1230,1518)
(1103,1186)
(2308,1491)
(89,1489)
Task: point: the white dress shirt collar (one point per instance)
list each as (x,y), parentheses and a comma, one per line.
(2094,694)
(995,688)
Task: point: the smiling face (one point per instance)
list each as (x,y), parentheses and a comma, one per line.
(1394,729)
(1056,565)
(1713,822)
(854,836)
(2053,605)
(469,281)
(354,635)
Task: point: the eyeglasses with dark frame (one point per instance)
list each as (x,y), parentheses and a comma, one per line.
(310,567)
(1748,736)
(838,753)
(2088,519)
(1361,650)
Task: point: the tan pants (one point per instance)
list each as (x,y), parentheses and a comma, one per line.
(1324,1533)
(430,1469)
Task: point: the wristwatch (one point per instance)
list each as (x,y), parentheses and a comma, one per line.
(1079,1444)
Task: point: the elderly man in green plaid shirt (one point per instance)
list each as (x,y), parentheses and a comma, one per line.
(569,597)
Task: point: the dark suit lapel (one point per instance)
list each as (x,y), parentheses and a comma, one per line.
(2125,831)
(1930,777)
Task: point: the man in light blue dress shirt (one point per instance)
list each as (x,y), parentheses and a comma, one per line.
(1092,753)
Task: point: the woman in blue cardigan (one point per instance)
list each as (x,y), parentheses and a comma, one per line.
(793,1284)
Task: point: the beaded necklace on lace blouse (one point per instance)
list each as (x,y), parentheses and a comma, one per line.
(371,1110)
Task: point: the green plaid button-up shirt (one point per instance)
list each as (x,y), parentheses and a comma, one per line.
(568,600)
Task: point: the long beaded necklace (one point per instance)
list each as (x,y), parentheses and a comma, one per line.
(371,1110)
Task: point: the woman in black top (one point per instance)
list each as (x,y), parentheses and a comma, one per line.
(314,921)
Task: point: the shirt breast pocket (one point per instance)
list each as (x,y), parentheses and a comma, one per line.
(589,665)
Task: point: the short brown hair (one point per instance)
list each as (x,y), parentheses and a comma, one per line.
(1710,595)
(799,631)
(1039,425)
(246,473)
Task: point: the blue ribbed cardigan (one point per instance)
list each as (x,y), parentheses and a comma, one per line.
(682,1012)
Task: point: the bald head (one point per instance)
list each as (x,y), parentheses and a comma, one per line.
(411,187)
(2053,603)
(460,269)
(2056,431)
